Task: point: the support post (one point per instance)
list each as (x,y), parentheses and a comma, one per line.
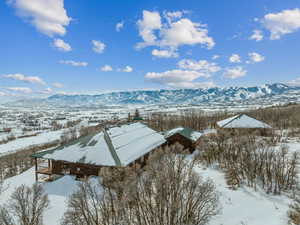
(36,169)
(49,168)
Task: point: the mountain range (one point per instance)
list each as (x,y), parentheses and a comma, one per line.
(268,93)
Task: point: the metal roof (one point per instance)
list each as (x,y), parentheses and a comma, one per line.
(186,132)
(242,121)
(117,146)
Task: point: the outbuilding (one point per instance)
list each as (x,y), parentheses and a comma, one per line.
(243,122)
(187,137)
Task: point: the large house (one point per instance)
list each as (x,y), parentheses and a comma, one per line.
(120,146)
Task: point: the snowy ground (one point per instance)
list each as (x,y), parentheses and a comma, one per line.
(58,192)
(245,206)
(22,143)
(239,207)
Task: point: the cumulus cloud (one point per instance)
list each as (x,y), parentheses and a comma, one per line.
(62,45)
(171,16)
(235,58)
(203,66)
(73,63)
(255,57)
(171,31)
(47,16)
(235,72)
(25,90)
(282,23)
(186,32)
(58,85)
(28,79)
(175,78)
(127,69)
(151,21)
(119,26)
(98,46)
(214,57)
(164,53)
(106,68)
(257,35)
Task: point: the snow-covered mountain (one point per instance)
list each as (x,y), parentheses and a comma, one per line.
(270,93)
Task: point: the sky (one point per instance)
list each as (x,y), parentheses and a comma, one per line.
(67,46)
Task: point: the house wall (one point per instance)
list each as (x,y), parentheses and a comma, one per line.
(78,169)
(255,131)
(186,143)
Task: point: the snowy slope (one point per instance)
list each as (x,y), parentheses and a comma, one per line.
(272,93)
(58,192)
(241,207)
(245,206)
(22,143)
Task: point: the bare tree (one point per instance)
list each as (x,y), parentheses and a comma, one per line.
(294,212)
(168,192)
(26,206)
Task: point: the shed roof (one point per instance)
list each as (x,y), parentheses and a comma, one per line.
(186,132)
(242,121)
(117,146)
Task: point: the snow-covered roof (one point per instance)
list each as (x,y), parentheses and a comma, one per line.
(117,146)
(242,121)
(186,132)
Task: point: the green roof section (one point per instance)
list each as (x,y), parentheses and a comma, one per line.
(185,132)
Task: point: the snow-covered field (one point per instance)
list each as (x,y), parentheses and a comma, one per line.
(244,206)
(22,143)
(58,192)
(239,207)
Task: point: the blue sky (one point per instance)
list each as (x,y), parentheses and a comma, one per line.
(58,46)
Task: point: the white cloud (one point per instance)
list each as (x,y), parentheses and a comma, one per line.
(58,85)
(28,79)
(257,35)
(282,23)
(235,58)
(73,63)
(175,78)
(119,26)
(127,69)
(62,45)
(2,94)
(295,82)
(203,66)
(214,57)
(151,21)
(24,90)
(47,16)
(173,32)
(106,68)
(98,46)
(235,72)
(185,32)
(171,16)
(255,57)
(164,53)
(46,91)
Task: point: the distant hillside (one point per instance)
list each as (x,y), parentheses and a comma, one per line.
(269,93)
